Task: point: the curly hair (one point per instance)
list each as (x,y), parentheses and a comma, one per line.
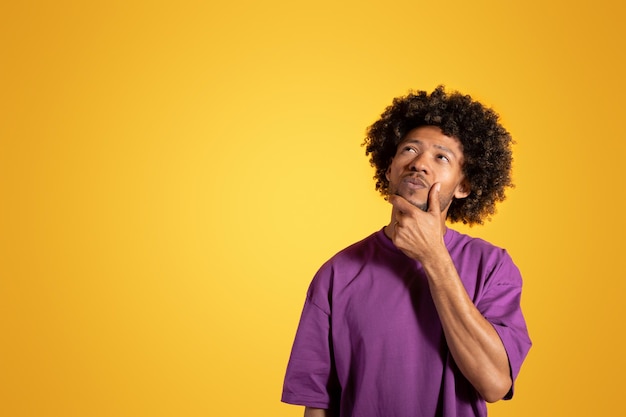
(486,146)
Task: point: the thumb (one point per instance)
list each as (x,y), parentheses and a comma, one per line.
(433,198)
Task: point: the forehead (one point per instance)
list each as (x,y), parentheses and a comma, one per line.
(433,136)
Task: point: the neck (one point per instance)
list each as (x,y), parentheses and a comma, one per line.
(388,229)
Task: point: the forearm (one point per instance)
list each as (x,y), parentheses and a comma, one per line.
(472,340)
(316,412)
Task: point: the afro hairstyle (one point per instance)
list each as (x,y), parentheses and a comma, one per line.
(486,146)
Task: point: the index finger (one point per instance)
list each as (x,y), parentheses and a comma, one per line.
(400,203)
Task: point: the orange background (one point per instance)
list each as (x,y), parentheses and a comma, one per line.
(172,174)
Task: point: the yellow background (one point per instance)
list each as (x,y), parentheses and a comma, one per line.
(172,174)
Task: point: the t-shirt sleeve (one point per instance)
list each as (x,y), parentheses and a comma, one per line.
(500,305)
(310,375)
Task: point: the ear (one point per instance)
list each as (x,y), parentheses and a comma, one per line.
(388,171)
(463,189)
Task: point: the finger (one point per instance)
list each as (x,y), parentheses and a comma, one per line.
(396,214)
(433,198)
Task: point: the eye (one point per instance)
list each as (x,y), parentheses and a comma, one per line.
(409,149)
(443,158)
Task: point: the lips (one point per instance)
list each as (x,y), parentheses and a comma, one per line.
(415,182)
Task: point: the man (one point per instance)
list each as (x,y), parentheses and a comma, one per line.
(418,320)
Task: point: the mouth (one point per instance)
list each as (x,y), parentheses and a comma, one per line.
(415,183)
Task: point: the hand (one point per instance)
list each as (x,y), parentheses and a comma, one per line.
(417,233)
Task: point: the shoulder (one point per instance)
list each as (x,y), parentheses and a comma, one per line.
(349,257)
(488,260)
(351,261)
(456,240)
(361,251)
(464,246)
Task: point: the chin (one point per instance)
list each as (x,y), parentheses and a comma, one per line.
(419,203)
(422,205)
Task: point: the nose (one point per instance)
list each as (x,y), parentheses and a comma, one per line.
(419,163)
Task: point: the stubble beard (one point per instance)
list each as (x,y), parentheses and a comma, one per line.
(444,200)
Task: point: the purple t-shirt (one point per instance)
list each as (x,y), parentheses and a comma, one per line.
(370,342)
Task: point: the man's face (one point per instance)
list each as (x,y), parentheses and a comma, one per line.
(424,157)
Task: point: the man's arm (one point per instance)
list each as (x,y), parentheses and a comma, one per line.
(472,340)
(315,412)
